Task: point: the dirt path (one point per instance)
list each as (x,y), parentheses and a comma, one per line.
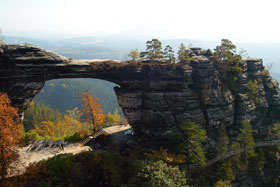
(27,157)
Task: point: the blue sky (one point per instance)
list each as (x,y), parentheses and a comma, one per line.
(239,20)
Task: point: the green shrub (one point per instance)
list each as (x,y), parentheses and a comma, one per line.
(76,137)
(158,173)
(59,167)
(31,136)
(253,87)
(28,45)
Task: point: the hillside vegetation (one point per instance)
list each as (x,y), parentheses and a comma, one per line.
(63,94)
(238,158)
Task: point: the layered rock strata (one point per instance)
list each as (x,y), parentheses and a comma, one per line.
(154,98)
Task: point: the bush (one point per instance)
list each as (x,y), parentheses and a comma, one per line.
(31,136)
(253,88)
(158,173)
(76,137)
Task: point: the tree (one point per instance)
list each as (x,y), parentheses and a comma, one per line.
(227,59)
(183,55)
(8,135)
(60,129)
(225,166)
(153,50)
(114,118)
(223,142)
(92,110)
(191,138)
(274,132)
(169,54)
(1,39)
(223,184)
(36,113)
(247,143)
(246,139)
(225,51)
(134,54)
(154,174)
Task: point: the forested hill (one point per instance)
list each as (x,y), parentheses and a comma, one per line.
(63,94)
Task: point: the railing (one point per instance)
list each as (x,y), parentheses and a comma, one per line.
(92,136)
(216,159)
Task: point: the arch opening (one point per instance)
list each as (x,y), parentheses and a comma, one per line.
(59,101)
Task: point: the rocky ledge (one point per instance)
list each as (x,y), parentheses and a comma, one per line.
(154,98)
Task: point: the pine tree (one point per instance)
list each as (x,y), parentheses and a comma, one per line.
(227,59)
(247,143)
(169,54)
(191,138)
(153,50)
(225,166)
(246,139)
(183,55)
(223,142)
(36,113)
(134,54)
(225,51)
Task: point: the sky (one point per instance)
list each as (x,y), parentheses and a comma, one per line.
(238,20)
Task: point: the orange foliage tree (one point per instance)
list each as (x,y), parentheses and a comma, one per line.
(9,135)
(92,111)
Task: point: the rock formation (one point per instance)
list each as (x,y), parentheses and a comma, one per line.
(154,98)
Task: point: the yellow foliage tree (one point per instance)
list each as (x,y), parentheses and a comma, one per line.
(114,118)
(163,155)
(92,110)
(8,135)
(223,184)
(58,130)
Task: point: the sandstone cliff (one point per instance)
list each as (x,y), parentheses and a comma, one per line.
(154,98)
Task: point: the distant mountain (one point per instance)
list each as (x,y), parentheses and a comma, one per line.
(91,52)
(117,46)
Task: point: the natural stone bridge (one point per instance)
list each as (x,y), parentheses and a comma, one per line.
(154,97)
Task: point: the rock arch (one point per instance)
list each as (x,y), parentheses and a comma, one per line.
(154,97)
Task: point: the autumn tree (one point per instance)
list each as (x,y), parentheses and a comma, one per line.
(134,54)
(190,143)
(223,184)
(183,55)
(62,128)
(169,54)
(153,50)
(92,111)
(8,135)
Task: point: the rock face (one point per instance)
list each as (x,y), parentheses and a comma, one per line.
(154,98)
